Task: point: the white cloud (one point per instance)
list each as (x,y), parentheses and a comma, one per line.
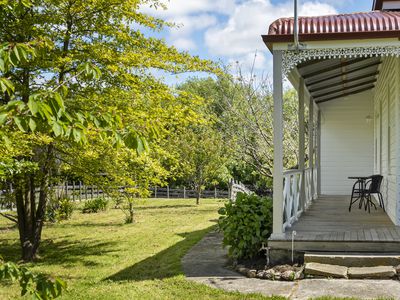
(187,24)
(184,44)
(240,36)
(189,7)
(242,33)
(232,29)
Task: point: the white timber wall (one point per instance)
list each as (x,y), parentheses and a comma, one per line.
(347,142)
(386,138)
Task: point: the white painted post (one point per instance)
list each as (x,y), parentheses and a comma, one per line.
(311,141)
(184,192)
(319,154)
(302,143)
(168,191)
(277,228)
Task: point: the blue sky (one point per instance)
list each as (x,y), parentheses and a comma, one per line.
(230,30)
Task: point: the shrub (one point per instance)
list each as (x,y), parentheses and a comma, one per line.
(39,286)
(59,209)
(95,205)
(246,224)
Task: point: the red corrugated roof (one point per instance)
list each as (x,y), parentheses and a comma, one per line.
(375,24)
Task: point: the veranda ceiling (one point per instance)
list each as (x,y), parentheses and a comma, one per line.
(330,79)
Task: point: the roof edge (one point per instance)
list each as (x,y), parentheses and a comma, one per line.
(269,40)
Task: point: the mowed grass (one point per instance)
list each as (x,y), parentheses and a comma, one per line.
(100,257)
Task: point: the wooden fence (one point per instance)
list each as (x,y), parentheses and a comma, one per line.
(77,191)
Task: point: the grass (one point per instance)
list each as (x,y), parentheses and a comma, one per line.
(100,257)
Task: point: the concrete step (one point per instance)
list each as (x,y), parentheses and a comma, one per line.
(353,259)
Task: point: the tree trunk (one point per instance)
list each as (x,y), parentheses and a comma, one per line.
(31,213)
(198,194)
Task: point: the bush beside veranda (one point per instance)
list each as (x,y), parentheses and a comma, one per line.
(246,224)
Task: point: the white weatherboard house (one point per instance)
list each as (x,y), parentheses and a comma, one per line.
(346,69)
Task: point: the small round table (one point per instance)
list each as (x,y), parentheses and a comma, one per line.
(361,188)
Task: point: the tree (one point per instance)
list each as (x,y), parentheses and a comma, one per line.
(243,106)
(75,80)
(204,157)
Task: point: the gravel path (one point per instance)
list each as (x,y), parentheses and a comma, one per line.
(205,263)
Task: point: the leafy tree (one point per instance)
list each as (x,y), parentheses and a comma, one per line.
(76,87)
(244,106)
(204,157)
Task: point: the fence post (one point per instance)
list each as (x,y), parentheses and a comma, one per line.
(215,192)
(168,191)
(80,191)
(91,191)
(66,189)
(184,192)
(73,190)
(155,192)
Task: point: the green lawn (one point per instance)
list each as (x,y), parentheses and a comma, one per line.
(102,258)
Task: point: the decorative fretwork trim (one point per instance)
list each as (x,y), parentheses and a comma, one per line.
(292,58)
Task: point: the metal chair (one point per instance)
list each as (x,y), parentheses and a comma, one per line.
(356,193)
(373,187)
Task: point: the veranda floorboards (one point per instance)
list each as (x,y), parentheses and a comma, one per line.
(328,219)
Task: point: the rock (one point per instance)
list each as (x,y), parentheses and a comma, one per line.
(300,273)
(284,268)
(381,272)
(317,269)
(397,269)
(269,274)
(260,274)
(252,273)
(288,275)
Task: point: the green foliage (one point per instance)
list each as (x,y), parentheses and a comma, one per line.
(242,107)
(40,287)
(78,96)
(204,156)
(95,205)
(246,224)
(59,209)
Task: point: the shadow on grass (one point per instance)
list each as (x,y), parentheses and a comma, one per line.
(91,225)
(165,206)
(64,252)
(164,264)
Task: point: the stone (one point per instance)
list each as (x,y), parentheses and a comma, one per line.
(260,274)
(299,274)
(269,274)
(252,273)
(397,269)
(288,275)
(325,270)
(380,272)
